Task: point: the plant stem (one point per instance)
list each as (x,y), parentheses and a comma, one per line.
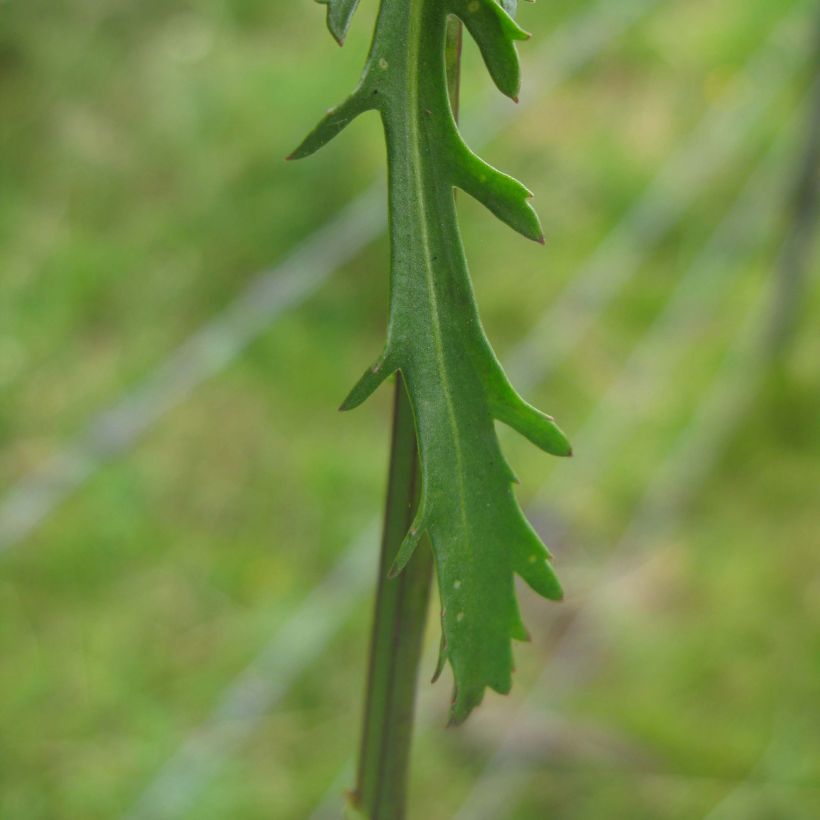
(398,630)
(795,258)
(401,603)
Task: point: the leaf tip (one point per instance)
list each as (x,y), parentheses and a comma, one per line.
(408,545)
(442,658)
(368,383)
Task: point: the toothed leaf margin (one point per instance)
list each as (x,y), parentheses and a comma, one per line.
(456,385)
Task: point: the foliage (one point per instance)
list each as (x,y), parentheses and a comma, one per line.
(143,189)
(456,384)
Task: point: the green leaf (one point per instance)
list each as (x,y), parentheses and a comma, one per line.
(339,15)
(494,31)
(456,385)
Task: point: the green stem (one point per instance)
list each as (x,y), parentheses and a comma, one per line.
(795,257)
(401,604)
(398,630)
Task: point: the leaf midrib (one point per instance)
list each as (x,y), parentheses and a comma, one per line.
(413,81)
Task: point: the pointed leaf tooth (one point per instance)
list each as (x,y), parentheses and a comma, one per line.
(542,578)
(517,629)
(507,21)
(335,121)
(442,659)
(506,197)
(531,562)
(339,15)
(538,427)
(494,32)
(465,699)
(511,474)
(409,544)
(502,683)
(369,382)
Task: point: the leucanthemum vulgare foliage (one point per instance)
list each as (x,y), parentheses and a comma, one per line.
(456,385)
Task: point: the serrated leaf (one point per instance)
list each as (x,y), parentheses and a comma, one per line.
(456,385)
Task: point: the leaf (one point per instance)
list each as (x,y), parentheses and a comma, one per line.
(369,382)
(456,385)
(334,121)
(339,15)
(495,31)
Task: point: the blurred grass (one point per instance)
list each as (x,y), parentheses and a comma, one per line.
(141,185)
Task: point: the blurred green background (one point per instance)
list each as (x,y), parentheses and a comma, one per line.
(187,542)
